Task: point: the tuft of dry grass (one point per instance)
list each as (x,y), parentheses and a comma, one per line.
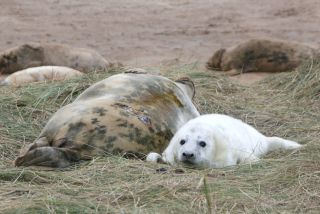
(303,83)
(286,105)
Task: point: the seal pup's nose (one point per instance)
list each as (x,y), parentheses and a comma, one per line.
(188,156)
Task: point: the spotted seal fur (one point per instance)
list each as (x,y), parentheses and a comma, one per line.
(129,114)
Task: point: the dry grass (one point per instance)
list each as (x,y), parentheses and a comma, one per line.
(286,105)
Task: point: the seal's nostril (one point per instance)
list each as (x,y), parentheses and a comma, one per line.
(187,155)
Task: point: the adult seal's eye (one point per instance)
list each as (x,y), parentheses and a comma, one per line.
(202,144)
(182,142)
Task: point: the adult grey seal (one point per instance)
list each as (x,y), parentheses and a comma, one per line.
(261,55)
(34,55)
(131,114)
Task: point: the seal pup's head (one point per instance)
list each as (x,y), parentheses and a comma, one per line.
(194,145)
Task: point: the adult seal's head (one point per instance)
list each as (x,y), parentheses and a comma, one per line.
(214,62)
(128,114)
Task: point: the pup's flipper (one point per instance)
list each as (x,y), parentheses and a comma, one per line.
(154,157)
(277,143)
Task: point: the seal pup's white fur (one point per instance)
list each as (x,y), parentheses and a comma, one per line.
(40,74)
(216,141)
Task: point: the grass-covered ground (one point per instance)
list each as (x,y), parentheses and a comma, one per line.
(286,105)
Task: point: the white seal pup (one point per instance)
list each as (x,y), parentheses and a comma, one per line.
(40,74)
(215,141)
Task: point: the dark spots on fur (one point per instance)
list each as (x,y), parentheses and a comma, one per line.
(252,59)
(74,129)
(111,139)
(167,134)
(131,137)
(100,111)
(151,129)
(125,135)
(97,134)
(278,58)
(137,132)
(145,140)
(94,120)
(122,123)
(249,56)
(108,147)
(109,143)
(101,129)
(134,134)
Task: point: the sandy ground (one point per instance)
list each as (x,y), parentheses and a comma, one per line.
(158,32)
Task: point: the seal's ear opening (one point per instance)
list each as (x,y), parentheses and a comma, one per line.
(214,63)
(187,85)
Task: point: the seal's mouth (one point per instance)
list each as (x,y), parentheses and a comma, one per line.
(188,162)
(192,164)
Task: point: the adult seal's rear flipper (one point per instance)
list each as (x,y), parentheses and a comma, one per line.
(40,153)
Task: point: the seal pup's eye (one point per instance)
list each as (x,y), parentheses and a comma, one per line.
(182,142)
(202,144)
